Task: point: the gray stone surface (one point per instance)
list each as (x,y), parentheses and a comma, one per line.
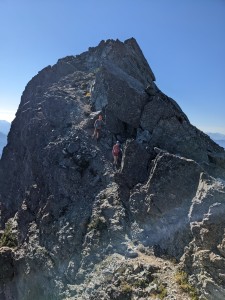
(204,258)
(135,163)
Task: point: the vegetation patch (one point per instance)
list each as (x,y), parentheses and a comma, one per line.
(181,278)
(161,291)
(98,223)
(8,238)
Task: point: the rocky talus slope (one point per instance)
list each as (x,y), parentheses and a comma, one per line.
(73,227)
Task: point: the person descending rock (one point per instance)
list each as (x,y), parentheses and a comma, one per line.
(116,152)
(97,127)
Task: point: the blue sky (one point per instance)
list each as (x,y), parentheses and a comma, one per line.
(183,41)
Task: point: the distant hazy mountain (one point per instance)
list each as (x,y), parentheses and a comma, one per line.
(3,141)
(219,138)
(4,129)
(221,143)
(4,126)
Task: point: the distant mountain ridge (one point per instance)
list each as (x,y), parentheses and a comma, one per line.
(4,129)
(221,143)
(219,138)
(3,141)
(4,126)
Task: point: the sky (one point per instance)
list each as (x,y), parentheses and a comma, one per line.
(182,40)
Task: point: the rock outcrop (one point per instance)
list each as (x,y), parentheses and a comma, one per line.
(79,229)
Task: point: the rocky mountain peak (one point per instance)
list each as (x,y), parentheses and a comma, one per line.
(67,212)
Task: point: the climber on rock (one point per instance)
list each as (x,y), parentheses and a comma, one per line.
(97,127)
(116,152)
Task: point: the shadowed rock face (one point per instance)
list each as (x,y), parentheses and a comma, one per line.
(67,205)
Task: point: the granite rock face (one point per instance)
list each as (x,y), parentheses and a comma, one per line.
(71,210)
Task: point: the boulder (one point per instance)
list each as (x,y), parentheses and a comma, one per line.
(134,167)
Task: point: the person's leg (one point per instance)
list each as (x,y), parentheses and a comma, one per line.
(97,134)
(93,135)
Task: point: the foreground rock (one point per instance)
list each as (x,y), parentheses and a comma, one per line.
(204,258)
(79,223)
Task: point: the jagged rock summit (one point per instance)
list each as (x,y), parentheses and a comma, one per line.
(75,228)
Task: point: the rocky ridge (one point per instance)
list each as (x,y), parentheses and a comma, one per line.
(72,226)
(219,138)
